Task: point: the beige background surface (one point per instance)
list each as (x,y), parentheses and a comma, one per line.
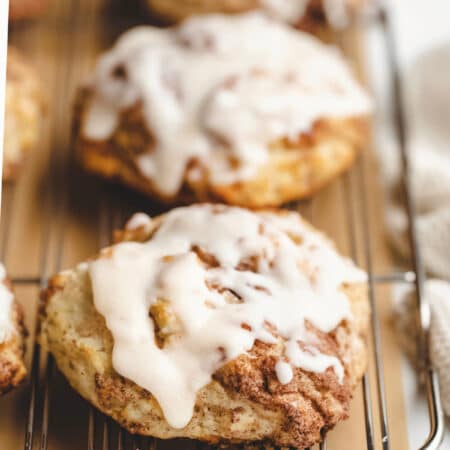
(55,216)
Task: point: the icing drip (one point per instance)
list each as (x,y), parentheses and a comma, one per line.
(225,277)
(138,220)
(219,90)
(284,372)
(6,299)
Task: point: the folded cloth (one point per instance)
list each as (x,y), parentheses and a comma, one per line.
(430,184)
(437,293)
(428,113)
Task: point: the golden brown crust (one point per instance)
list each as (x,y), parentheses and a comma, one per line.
(314,20)
(25,9)
(23,110)
(294,170)
(12,367)
(244,402)
(175,11)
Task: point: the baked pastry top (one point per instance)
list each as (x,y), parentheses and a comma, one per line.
(308,15)
(25,9)
(240,109)
(23,112)
(12,332)
(213,323)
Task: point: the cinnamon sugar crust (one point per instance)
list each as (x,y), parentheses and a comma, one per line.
(12,367)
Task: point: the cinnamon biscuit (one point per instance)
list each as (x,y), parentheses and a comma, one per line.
(314,16)
(23,112)
(214,323)
(239,109)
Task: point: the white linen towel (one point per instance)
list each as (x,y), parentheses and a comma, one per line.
(426,82)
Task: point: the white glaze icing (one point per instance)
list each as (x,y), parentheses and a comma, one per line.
(138,220)
(219,89)
(6,299)
(284,372)
(293,282)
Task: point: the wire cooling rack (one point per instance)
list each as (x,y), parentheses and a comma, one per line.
(101,432)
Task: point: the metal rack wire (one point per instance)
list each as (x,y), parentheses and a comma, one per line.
(102,433)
